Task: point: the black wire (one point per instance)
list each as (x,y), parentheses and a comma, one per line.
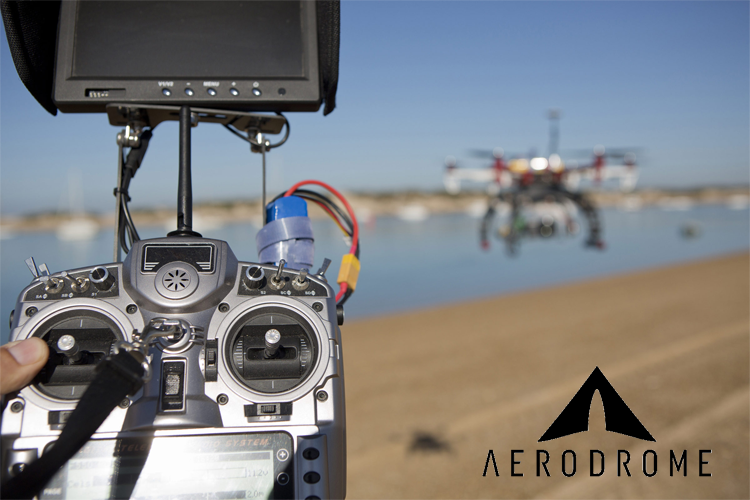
(127,226)
(349,231)
(286,136)
(128,232)
(311,195)
(346,296)
(315,196)
(236,132)
(344,217)
(302,193)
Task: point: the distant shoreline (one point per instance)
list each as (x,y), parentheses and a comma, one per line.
(373,205)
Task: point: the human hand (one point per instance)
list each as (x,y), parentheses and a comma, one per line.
(20,361)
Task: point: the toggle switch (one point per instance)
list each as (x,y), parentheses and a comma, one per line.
(78,285)
(277,281)
(301,282)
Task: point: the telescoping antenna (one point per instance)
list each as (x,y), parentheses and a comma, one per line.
(185,182)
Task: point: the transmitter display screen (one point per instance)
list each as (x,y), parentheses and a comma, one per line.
(250,466)
(200,256)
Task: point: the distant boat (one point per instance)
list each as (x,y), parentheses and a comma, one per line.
(6,233)
(413,213)
(631,204)
(365,216)
(676,204)
(738,202)
(78,227)
(477,209)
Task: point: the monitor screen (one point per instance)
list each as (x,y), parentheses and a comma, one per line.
(255,55)
(221,39)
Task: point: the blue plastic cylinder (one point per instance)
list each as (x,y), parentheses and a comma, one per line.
(288,206)
(287,234)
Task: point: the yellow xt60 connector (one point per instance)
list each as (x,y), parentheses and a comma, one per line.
(349,271)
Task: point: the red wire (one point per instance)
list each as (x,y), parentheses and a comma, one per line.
(342,291)
(328,211)
(355,232)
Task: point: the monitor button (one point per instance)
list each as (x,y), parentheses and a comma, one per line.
(234,91)
(311,477)
(189,92)
(166,92)
(211,91)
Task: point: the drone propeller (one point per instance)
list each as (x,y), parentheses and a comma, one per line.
(600,150)
(623,151)
(487,154)
(492,154)
(578,153)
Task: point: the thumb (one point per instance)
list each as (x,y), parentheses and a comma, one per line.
(20,361)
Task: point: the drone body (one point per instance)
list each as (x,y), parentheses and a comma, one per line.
(541,193)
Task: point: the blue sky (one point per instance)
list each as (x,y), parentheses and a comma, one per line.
(422,80)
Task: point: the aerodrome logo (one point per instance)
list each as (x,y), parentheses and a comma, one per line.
(575,417)
(618,417)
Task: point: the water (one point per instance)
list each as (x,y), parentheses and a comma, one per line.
(414,265)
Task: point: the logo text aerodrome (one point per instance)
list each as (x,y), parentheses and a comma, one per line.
(619,418)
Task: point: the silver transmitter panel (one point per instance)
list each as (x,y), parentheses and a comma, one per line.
(249,404)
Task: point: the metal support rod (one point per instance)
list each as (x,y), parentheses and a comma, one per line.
(185,186)
(118,197)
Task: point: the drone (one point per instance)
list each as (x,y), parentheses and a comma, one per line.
(540,195)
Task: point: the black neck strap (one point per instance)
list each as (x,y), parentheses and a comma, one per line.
(118,376)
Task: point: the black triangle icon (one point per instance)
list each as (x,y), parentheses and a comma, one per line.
(575,417)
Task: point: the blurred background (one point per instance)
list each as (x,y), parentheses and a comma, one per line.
(420,81)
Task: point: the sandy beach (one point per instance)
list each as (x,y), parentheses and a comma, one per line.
(429,393)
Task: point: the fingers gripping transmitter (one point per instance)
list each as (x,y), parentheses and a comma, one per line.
(240,376)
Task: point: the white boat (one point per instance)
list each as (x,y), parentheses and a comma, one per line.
(738,202)
(78,227)
(413,213)
(6,233)
(676,204)
(631,204)
(477,209)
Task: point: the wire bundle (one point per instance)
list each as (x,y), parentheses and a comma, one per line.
(345,219)
(128,233)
